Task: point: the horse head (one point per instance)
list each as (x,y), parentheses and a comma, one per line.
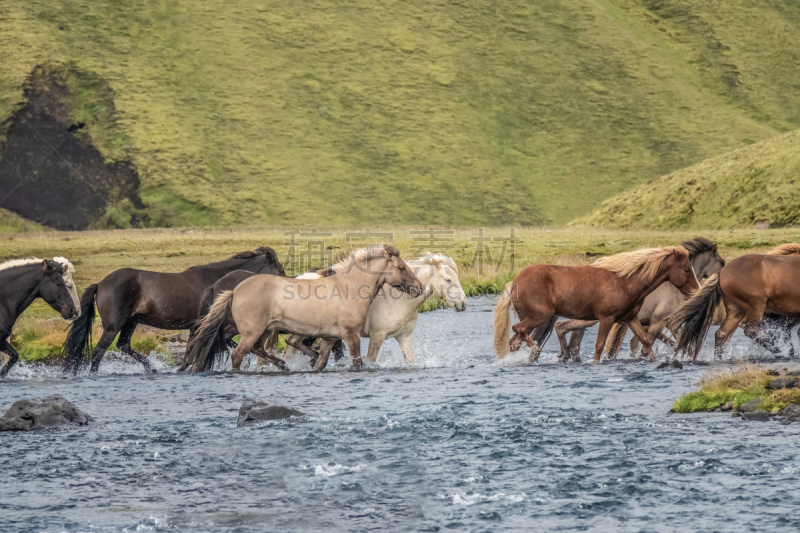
(704,256)
(440,273)
(397,273)
(58,289)
(271,263)
(680,272)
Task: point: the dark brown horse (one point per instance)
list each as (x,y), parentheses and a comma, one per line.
(749,287)
(128,297)
(24,280)
(610,290)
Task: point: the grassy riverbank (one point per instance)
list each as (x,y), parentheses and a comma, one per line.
(97,253)
(738,385)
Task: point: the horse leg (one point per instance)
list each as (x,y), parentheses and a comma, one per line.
(638,330)
(407,347)
(575,344)
(296,342)
(246,344)
(265,348)
(102,345)
(325,348)
(562,328)
(522,332)
(375,343)
(13,357)
(733,316)
(124,345)
(338,351)
(606,323)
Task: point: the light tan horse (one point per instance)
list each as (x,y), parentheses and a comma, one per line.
(330,307)
(394,315)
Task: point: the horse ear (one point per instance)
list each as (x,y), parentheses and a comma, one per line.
(47,265)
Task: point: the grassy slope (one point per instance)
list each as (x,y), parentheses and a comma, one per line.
(411,112)
(752,184)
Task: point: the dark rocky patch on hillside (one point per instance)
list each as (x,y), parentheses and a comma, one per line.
(51,173)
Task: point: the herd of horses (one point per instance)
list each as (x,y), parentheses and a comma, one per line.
(373,293)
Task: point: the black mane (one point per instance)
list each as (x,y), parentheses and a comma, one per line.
(699,245)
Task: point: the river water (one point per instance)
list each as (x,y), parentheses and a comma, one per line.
(459,442)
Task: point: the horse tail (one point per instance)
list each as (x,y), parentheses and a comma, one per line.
(502,322)
(542,333)
(79,336)
(272,340)
(691,320)
(208,343)
(615,336)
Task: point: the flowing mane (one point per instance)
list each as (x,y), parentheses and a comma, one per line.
(69,269)
(699,245)
(344,260)
(791,248)
(646,261)
(435,260)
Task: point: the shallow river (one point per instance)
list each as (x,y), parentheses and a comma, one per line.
(459,442)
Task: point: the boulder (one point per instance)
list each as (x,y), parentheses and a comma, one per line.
(752,405)
(756,416)
(254,410)
(726,407)
(783,383)
(791,412)
(42,413)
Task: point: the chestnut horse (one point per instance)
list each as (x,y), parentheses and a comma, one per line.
(611,290)
(750,287)
(332,307)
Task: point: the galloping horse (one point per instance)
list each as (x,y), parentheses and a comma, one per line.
(612,289)
(128,297)
(394,315)
(749,287)
(24,280)
(655,310)
(331,307)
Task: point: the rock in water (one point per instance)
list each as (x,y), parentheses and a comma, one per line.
(255,410)
(752,405)
(42,413)
(756,416)
(783,383)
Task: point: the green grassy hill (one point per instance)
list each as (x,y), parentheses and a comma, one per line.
(418,112)
(749,186)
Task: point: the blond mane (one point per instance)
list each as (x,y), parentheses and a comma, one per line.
(69,269)
(791,248)
(646,261)
(344,260)
(435,260)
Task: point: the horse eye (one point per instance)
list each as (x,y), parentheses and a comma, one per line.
(449,280)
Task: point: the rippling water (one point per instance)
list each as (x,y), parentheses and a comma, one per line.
(459,442)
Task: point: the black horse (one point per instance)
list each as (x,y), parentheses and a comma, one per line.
(228,283)
(21,282)
(128,297)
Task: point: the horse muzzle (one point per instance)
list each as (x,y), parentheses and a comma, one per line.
(460,306)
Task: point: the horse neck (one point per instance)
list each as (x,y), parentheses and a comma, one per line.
(21,289)
(642,287)
(251,264)
(356,277)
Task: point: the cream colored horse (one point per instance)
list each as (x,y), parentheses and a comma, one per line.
(332,306)
(393,314)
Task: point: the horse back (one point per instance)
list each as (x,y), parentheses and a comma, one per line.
(753,280)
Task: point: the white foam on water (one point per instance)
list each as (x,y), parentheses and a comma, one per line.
(471,498)
(335,469)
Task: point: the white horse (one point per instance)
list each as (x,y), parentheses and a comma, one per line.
(393,313)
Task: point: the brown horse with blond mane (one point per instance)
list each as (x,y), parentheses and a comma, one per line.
(610,290)
(752,288)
